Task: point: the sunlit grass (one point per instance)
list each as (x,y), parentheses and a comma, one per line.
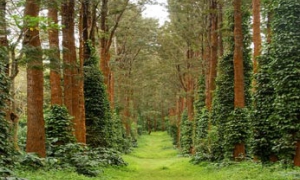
(156,159)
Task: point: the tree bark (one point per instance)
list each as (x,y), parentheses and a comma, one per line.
(3,32)
(105,44)
(239,94)
(35,81)
(256,33)
(179,109)
(68,51)
(220,27)
(72,71)
(269,30)
(297,155)
(213,51)
(55,71)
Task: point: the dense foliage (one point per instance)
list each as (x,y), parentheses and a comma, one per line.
(104,128)
(264,131)
(59,125)
(6,146)
(228,125)
(285,65)
(186,134)
(98,115)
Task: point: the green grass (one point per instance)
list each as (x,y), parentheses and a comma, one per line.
(156,159)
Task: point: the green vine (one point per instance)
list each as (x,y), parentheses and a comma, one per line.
(6,146)
(59,126)
(186,134)
(285,76)
(98,115)
(264,132)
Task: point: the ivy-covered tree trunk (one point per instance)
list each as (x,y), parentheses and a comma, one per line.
(239,88)
(6,146)
(190,86)
(98,115)
(264,131)
(285,74)
(3,33)
(54,54)
(4,46)
(35,81)
(180,105)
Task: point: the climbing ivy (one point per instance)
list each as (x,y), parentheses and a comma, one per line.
(172,130)
(264,132)
(202,124)
(201,117)
(103,127)
(285,49)
(186,134)
(236,130)
(98,116)
(119,140)
(230,122)
(59,126)
(6,146)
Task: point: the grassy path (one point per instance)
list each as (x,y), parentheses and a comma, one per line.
(156,159)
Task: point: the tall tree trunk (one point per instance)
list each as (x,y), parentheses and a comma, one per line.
(11,117)
(239,93)
(85,55)
(179,109)
(105,44)
(4,46)
(55,71)
(213,51)
(35,81)
(3,33)
(190,85)
(14,71)
(256,33)
(104,51)
(71,71)
(220,27)
(269,31)
(68,51)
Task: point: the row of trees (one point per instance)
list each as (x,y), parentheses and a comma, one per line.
(60,44)
(194,74)
(243,107)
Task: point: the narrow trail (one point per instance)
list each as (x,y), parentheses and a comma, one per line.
(156,158)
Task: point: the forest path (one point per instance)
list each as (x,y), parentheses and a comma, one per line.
(155,158)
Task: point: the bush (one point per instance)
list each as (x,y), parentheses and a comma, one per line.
(59,126)
(207,149)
